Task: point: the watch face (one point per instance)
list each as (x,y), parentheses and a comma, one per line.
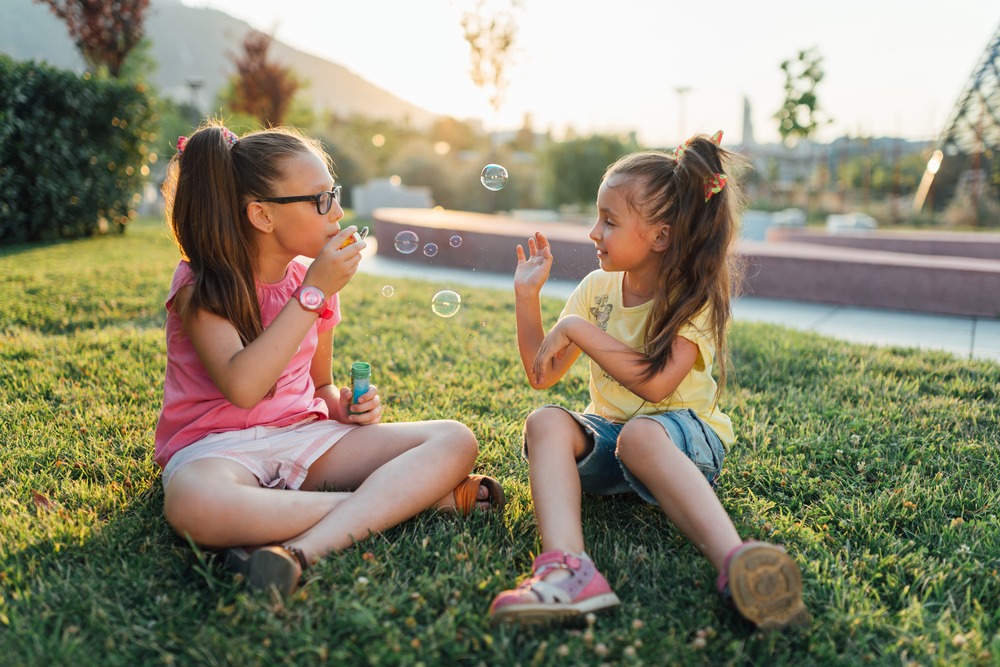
(311,298)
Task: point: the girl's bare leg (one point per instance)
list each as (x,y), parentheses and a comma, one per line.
(682,491)
(219,503)
(430,460)
(555,443)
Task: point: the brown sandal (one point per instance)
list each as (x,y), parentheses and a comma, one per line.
(264,567)
(465,494)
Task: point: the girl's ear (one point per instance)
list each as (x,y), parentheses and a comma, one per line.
(257,213)
(661,241)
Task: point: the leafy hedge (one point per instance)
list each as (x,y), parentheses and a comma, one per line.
(73,151)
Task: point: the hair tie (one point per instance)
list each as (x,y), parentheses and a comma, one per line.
(715,182)
(230,136)
(679,153)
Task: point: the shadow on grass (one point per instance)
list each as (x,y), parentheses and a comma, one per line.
(133,592)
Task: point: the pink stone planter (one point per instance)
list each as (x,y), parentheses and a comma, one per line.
(814,271)
(953,244)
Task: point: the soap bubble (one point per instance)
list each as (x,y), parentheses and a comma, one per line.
(363,233)
(494,177)
(446,303)
(406,242)
(455,241)
(430,249)
(387,290)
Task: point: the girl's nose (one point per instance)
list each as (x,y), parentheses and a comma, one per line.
(336,212)
(594,233)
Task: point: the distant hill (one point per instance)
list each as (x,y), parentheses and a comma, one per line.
(193,41)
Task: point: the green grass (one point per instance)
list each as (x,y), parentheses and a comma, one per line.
(877,467)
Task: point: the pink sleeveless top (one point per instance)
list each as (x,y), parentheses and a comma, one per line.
(193,406)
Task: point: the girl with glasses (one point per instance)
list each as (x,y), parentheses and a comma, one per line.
(250,411)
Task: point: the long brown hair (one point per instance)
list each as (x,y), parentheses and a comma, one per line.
(699,267)
(207,190)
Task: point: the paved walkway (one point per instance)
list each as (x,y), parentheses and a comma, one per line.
(965,337)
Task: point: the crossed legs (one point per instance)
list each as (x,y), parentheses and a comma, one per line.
(394,471)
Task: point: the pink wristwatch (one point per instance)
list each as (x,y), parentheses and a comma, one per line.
(312,299)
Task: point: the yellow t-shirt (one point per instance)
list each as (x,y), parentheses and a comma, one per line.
(598,298)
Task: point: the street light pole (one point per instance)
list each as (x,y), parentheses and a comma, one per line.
(194,83)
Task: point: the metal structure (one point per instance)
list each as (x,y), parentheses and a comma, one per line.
(967,152)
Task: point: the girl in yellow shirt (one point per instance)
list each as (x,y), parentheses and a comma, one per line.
(653,322)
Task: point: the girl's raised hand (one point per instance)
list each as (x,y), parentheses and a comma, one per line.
(532,272)
(334,266)
(368,409)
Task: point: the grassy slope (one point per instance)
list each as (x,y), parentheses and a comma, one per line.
(876,467)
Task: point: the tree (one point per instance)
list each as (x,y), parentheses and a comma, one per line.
(490,36)
(572,169)
(799,115)
(105,31)
(260,88)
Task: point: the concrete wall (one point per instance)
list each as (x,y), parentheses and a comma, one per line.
(954,244)
(802,271)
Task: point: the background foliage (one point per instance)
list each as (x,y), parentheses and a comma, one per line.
(72,151)
(573,168)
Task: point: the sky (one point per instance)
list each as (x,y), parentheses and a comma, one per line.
(893,68)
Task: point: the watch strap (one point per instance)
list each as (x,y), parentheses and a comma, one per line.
(323,310)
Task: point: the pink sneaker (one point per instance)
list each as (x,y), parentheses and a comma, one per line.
(765,586)
(585,590)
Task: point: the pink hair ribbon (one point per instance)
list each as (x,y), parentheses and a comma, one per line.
(679,153)
(714,184)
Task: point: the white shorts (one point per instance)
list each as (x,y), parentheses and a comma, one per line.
(279,456)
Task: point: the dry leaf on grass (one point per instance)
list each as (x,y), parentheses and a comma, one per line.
(42,502)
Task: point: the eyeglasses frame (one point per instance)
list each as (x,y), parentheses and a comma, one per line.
(313,198)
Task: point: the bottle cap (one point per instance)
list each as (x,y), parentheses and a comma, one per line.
(361,370)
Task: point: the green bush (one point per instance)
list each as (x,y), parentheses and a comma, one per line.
(572,169)
(73,151)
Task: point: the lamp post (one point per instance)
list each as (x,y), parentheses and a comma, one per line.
(194,83)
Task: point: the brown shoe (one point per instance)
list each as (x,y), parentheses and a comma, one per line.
(765,585)
(269,566)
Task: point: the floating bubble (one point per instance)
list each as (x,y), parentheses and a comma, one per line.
(430,249)
(455,241)
(407,242)
(446,303)
(387,290)
(363,233)
(494,177)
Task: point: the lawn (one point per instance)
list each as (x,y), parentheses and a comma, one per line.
(876,467)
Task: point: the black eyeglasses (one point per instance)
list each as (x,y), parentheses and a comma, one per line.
(324,200)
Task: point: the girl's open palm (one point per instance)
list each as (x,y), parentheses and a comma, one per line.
(533,271)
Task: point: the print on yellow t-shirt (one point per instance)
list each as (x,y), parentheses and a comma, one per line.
(598,298)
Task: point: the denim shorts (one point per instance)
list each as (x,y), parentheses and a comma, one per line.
(602,471)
